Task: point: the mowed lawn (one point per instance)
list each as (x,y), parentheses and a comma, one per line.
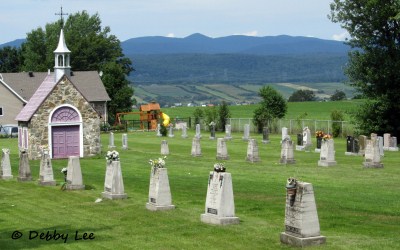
(358,208)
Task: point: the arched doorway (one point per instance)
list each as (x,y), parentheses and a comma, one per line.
(65,132)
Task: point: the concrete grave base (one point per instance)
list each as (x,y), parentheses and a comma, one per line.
(302,242)
(287,161)
(317,150)
(6,177)
(75,187)
(111,196)
(265,141)
(154,207)
(372,165)
(212,219)
(326,163)
(351,153)
(300,148)
(393,149)
(47,183)
(22,179)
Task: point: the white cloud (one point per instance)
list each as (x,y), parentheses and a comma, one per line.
(170,35)
(250,33)
(341,37)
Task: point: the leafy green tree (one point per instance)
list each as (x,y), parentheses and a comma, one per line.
(338,95)
(198,115)
(210,115)
(223,114)
(302,95)
(10,59)
(373,68)
(337,118)
(272,106)
(92,48)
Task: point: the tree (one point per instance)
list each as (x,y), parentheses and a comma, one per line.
(272,106)
(198,115)
(92,48)
(338,95)
(302,96)
(373,68)
(210,115)
(337,118)
(223,114)
(10,59)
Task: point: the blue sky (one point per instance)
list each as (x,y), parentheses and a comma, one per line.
(179,18)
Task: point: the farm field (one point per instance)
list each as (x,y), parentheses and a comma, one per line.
(358,208)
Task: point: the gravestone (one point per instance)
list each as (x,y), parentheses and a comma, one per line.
(351,146)
(287,156)
(220,206)
(362,140)
(372,155)
(5,170)
(113,182)
(374,136)
(246,132)
(301,218)
(228,132)
(393,144)
(299,139)
(306,143)
(265,138)
(327,155)
(171,131)
(319,144)
(222,150)
(164,148)
(24,172)
(184,131)
(284,133)
(74,174)
(196,148)
(111,144)
(380,145)
(386,141)
(124,141)
(159,130)
(159,190)
(46,177)
(252,151)
(212,131)
(198,131)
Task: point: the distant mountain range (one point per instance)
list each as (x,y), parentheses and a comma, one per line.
(233,59)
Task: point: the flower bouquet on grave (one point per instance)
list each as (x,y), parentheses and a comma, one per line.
(319,134)
(158,163)
(327,137)
(219,167)
(64,184)
(291,189)
(112,156)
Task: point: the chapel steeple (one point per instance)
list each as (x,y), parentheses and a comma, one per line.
(61,54)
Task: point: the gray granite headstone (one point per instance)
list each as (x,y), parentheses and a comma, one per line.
(5,170)
(46,177)
(184,131)
(284,133)
(196,147)
(393,144)
(362,140)
(386,141)
(265,139)
(228,132)
(111,144)
(74,174)
(124,141)
(222,150)
(159,191)
(159,130)
(24,172)
(372,155)
(164,148)
(287,156)
(171,131)
(252,151)
(246,132)
(380,145)
(114,183)
(198,131)
(327,154)
(212,131)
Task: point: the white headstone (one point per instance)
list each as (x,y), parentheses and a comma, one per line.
(164,148)
(374,136)
(74,174)
(306,143)
(46,177)
(212,131)
(184,131)
(252,151)
(196,148)
(124,141)
(362,142)
(171,131)
(220,206)
(222,150)
(380,145)
(246,132)
(327,154)
(159,190)
(284,133)
(287,156)
(198,131)
(5,171)
(159,130)
(372,155)
(113,182)
(386,141)
(301,218)
(228,132)
(265,139)
(24,172)
(111,144)
(393,144)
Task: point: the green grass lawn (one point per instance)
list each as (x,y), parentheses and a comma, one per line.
(358,208)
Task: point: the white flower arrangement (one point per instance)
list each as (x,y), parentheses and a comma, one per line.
(158,163)
(64,170)
(112,156)
(219,167)
(291,182)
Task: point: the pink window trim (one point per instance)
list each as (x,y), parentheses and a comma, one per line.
(65,114)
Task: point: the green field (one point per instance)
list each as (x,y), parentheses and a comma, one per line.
(358,208)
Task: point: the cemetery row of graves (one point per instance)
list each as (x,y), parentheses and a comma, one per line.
(300,221)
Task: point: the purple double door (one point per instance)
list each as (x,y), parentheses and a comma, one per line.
(65,140)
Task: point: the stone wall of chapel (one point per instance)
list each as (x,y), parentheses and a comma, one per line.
(64,93)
